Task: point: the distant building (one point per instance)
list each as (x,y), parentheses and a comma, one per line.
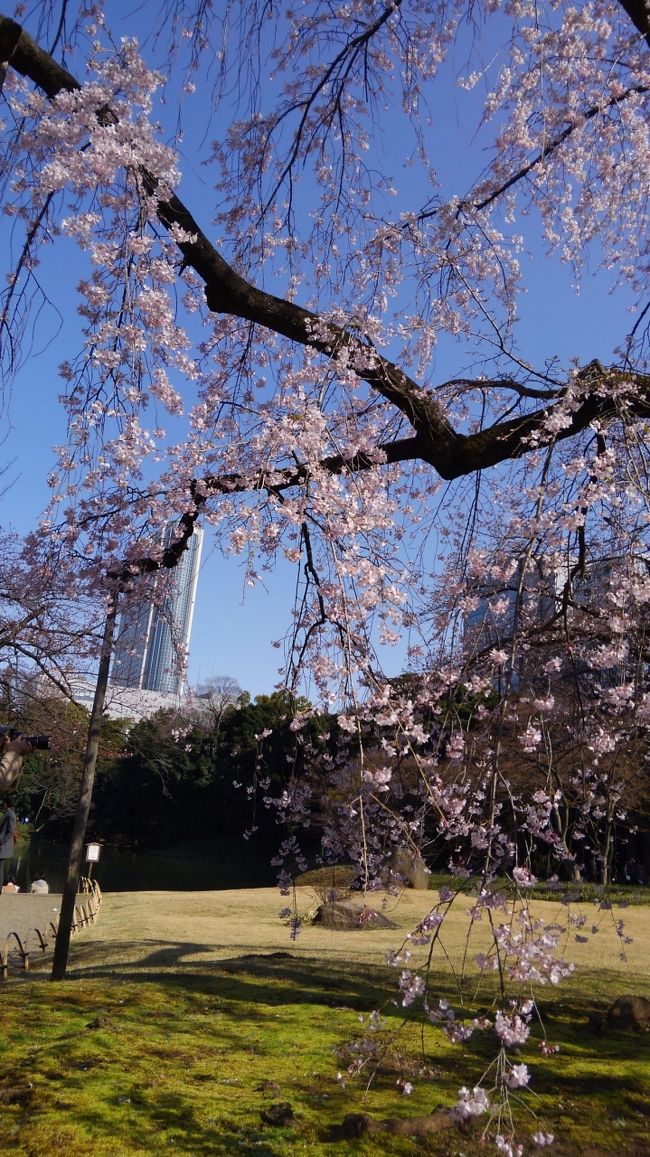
(124,702)
(501,603)
(532,598)
(154,634)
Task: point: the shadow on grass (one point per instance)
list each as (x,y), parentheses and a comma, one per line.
(157,1125)
(174,955)
(279,978)
(249,991)
(298,980)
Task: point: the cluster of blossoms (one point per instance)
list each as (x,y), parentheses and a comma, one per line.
(411,986)
(513,1029)
(472,1103)
(454,1030)
(532,953)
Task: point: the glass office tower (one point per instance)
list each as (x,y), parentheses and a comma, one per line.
(153,636)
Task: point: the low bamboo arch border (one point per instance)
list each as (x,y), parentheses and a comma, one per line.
(85,913)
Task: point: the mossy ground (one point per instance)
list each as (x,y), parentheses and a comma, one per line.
(186,1015)
(187,1063)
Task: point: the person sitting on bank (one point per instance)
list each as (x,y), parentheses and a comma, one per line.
(40,885)
(10,885)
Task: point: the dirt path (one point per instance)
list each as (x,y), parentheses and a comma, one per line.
(23,913)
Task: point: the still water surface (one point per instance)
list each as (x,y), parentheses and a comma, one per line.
(188,867)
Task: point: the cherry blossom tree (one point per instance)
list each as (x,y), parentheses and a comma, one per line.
(329,360)
(46,635)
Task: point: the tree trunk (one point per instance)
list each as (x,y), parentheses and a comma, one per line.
(69,899)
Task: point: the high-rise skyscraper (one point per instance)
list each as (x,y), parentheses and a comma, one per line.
(153,636)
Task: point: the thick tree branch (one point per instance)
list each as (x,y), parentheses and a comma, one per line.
(226,291)
(275,481)
(24,55)
(171,556)
(451,454)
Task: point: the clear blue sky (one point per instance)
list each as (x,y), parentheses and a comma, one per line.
(234,625)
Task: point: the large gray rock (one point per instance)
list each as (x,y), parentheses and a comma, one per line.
(350,916)
(628,1014)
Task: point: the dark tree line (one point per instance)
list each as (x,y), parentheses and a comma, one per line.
(270,781)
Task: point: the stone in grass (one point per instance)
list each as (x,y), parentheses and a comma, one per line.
(99,1022)
(268,1087)
(358,1125)
(17,1094)
(628,1014)
(350,916)
(280,1114)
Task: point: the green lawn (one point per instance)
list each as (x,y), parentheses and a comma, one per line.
(187,1063)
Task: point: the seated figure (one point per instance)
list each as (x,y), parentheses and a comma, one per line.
(39,886)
